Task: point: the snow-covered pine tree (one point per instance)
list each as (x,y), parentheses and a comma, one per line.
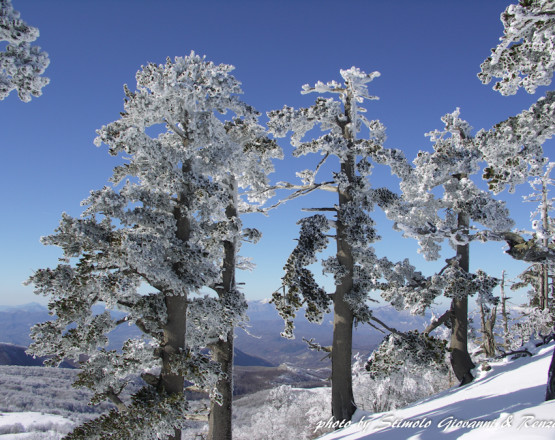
(539,275)
(246,167)
(432,219)
(356,268)
(172,226)
(21,65)
(525,57)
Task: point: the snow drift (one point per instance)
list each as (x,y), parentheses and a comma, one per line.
(506,402)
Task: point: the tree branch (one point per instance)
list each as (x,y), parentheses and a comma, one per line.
(319,209)
(437,322)
(301,190)
(110,394)
(390,329)
(320,164)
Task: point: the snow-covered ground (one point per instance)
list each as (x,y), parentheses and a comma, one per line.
(504,403)
(33,425)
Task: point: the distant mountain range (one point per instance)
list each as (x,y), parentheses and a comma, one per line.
(11,354)
(258,345)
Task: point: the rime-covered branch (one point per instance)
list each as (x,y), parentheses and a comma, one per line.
(21,64)
(525,56)
(172,224)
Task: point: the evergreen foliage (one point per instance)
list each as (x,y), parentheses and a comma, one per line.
(164,223)
(21,64)
(413,350)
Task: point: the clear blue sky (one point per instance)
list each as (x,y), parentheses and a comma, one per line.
(428,53)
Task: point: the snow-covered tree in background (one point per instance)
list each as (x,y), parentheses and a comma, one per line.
(513,148)
(21,64)
(525,57)
(285,413)
(537,319)
(170,222)
(441,202)
(404,368)
(355,267)
(538,275)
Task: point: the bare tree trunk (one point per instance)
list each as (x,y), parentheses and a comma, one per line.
(550,392)
(219,421)
(544,294)
(488,324)
(174,343)
(342,400)
(460,359)
(175,327)
(506,340)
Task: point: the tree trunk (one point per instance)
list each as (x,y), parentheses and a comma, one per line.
(174,343)
(550,392)
(219,421)
(342,399)
(488,324)
(507,342)
(176,306)
(544,294)
(460,359)
(544,287)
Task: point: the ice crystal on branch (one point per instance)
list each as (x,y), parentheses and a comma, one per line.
(413,350)
(432,219)
(525,57)
(513,148)
(21,64)
(170,222)
(356,269)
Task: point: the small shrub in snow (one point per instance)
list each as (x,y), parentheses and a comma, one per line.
(14,428)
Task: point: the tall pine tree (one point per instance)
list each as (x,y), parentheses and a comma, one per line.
(356,269)
(170,222)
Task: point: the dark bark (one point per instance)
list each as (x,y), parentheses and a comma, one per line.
(504,314)
(437,322)
(488,323)
(342,399)
(550,392)
(460,359)
(176,306)
(174,343)
(527,250)
(343,406)
(544,294)
(219,421)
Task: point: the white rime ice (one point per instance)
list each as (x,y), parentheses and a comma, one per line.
(162,223)
(356,268)
(432,219)
(525,57)
(21,64)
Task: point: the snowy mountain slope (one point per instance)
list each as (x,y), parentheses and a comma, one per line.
(504,403)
